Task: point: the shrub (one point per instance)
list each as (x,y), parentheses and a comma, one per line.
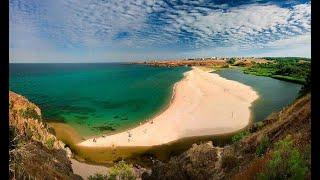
(29,132)
(98,177)
(228,162)
(239,136)
(122,171)
(306,86)
(49,143)
(231,61)
(10,105)
(13,140)
(286,162)
(29,112)
(263,146)
(259,124)
(256,126)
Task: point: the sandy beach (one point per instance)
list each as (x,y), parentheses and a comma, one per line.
(86,170)
(203,104)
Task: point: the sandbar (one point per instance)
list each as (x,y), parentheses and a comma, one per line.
(203,103)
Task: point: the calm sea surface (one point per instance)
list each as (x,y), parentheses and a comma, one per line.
(108,97)
(273,94)
(96,98)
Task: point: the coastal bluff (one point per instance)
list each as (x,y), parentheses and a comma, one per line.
(34,150)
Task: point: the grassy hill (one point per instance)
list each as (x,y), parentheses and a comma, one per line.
(289,69)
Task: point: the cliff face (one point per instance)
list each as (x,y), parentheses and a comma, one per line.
(35,153)
(283,138)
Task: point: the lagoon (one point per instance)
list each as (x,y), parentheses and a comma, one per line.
(273,94)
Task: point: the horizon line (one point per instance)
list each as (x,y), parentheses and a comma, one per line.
(172,59)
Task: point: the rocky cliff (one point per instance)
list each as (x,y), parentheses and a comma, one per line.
(35,153)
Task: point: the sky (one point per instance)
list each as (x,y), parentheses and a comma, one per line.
(130,30)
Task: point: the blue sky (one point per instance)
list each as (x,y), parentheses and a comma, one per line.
(126,30)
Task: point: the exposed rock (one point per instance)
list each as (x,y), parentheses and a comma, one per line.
(196,163)
(68,152)
(34,151)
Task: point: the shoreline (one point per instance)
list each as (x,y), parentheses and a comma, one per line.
(161,110)
(206,80)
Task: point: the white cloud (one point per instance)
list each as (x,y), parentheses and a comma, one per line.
(55,26)
(244,24)
(299,46)
(301,40)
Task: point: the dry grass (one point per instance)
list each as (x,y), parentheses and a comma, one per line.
(253,169)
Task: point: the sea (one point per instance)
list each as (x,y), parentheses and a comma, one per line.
(105,98)
(96,98)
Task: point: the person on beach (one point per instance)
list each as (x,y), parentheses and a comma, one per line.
(113,149)
(94,140)
(129,136)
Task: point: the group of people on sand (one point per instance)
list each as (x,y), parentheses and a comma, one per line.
(129,134)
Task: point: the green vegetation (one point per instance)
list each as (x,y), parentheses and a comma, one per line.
(285,163)
(287,69)
(263,146)
(231,61)
(288,78)
(239,136)
(49,143)
(287,58)
(228,162)
(122,171)
(10,105)
(29,132)
(14,141)
(306,88)
(29,112)
(98,177)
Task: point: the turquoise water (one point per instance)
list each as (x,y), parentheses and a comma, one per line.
(96,98)
(273,94)
(109,97)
